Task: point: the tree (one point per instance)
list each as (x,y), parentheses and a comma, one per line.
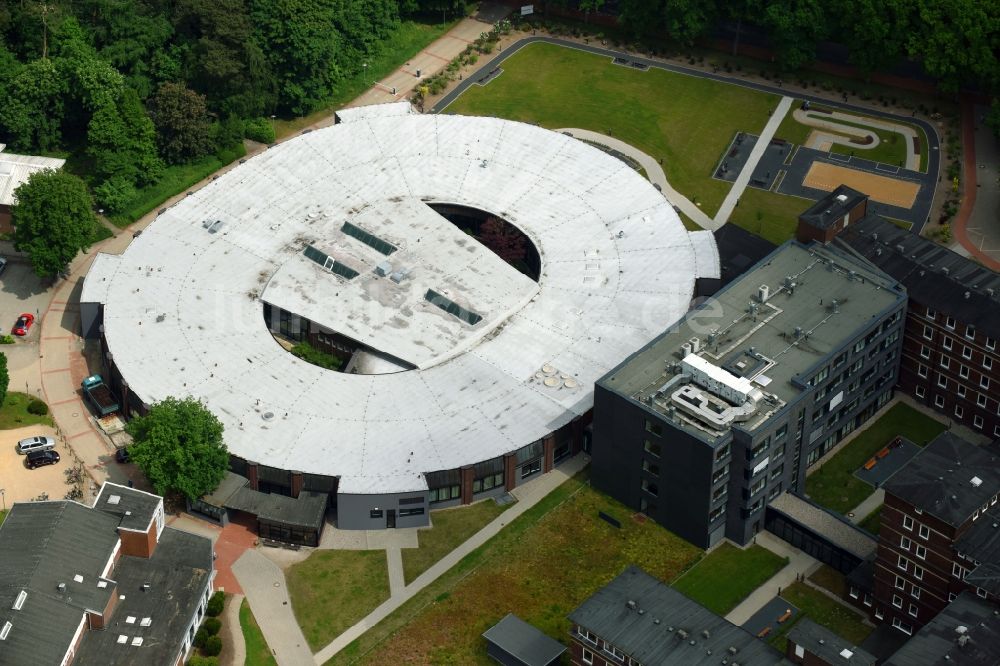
(178,446)
(122,141)
(53,220)
(4,378)
(181,121)
(504,241)
(32,110)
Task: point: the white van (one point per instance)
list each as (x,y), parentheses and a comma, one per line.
(36,443)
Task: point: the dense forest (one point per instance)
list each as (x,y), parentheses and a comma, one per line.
(129,87)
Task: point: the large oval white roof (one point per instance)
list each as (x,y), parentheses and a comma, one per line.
(183,310)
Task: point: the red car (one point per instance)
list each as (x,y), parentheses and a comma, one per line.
(24,323)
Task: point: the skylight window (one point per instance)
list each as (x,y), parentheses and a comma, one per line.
(453,308)
(371,240)
(329,263)
(19,602)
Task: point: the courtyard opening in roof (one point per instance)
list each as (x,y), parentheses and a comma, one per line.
(496,234)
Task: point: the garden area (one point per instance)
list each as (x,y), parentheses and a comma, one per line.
(822,610)
(451,527)
(543,564)
(727,576)
(208,640)
(23,409)
(333,589)
(834,485)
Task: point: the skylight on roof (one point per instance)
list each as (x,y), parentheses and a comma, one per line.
(77,578)
(329,263)
(5,631)
(122,639)
(19,602)
(130,619)
(114,499)
(371,240)
(453,308)
(137,641)
(146,621)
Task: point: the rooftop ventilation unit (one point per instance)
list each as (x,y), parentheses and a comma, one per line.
(383,268)
(841,198)
(976,481)
(763,293)
(695,345)
(630,604)
(212,226)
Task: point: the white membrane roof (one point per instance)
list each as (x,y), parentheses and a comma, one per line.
(183,312)
(16,169)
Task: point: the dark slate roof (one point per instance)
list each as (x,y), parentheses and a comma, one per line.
(666,628)
(863,576)
(231,482)
(831,208)
(936,644)
(739,251)
(523,641)
(827,645)
(981,542)
(831,526)
(934,276)
(939,479)
(308,510)
(177,574)
(134,507)
(43,544)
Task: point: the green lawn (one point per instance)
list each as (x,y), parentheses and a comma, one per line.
(3,515)
(829,579)
(409,39)
(769,215)
(257,651)
(873,521)
(687,121)
(14,413)
(834,485)
(727,576)
(822,610)
(451,528)
(333,589)
(175,180)
(541,566)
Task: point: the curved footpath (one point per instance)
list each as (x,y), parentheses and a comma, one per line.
(820,122)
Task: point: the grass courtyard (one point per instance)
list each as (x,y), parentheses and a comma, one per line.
(687,121)
(834,485)
(873,521)
(541,566)
(333,589)
(451,528)
(727,576)
(14,412)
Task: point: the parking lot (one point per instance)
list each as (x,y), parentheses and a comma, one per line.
(21,484)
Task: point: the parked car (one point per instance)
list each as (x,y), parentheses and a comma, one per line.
(36,443)
(42,458)
(23,324)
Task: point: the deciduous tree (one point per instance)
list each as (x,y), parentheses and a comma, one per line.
(182,123)
(178,446)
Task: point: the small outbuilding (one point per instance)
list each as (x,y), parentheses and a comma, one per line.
(514,642)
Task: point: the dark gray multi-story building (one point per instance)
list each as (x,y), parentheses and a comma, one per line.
(727,409)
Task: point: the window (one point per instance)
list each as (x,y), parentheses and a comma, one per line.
(991,344)
(444,493)
(961,391)
(922,371)
(375,513)
(928,333)
(924,532)
(942,381)
(905,543)
(915,592)
(945,362)
(588,656)
(966,352)
(616,653)
(867,600)
(987,362)
(958,571)
(984,381)
(854,592)
(879,614)
(900,583)
(980,400)
(925,351)
(921,391)
(902,626)
(950,323)
(411,512)
(947,343)
(533,467)
(959,411)
(931,314)
(652,468)
(921,552)
(981,592)
(913,610)
(652,448)
(977,422)
(897,601)
(970,332)
(585,634)
(907,523)
(654,428)
(723,452)
(650,487)
(963,372)
(939,401)
(902,563)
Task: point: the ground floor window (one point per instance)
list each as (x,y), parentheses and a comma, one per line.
(530,468)
(444,494)
(411,512)
(902,626)
(487,482)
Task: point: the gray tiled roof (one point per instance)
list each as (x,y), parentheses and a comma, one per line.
(134,507)
(827,645)
(829,209)
(665,627)
(522,640)
(937,643)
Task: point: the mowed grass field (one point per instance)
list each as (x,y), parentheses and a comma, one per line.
(727,576)
(686,121)
(541,567)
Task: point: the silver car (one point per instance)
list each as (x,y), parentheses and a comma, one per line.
(36,443)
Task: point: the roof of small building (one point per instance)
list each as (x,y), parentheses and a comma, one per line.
(832,526)
(934,276)
(655,624)
(949,478)
(981,543)
(827,645)
(133,507)
(832,207)
(939,642)
(524,641)
(16,169)
(306,510)
(177,575)
(617,266)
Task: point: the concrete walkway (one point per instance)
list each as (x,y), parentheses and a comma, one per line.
(394,558)
(527,496)
(653,170)
(828,121)
(867,505)
(798,564)
(729,204)
(235,651)
(264,585)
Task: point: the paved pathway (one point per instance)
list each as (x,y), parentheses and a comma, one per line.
(729,204)
(798,564)
(653,170)
(527,496)
(828,121)
(866,506)
(235,648)
(977,225)
(264,585)
(397,582)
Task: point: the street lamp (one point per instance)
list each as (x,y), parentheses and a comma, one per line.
(364,66)
(3,496)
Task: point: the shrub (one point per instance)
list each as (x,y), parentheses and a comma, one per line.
(198,660)
(259,129)
(38,408)
(200,637)
(211,625)
(6,339)
(213,646)
(216,604)
(115,194)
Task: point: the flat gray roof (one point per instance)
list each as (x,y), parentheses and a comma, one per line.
(524,641)
(617,267)
(818,299)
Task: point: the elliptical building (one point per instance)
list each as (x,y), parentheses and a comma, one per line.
(463,376)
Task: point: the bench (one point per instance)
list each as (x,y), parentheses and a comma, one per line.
(784,616)
(883,453)
(871,463)
(763,632)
